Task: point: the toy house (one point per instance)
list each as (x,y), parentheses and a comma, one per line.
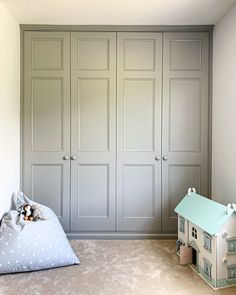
(209,229)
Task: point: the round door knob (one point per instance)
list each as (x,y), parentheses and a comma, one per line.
(164,158)
(73,157)
(157,158)
(66,157)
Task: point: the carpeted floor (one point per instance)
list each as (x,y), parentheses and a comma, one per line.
(140,267)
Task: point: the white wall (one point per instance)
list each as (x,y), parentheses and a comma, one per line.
(122,12)
(9,108)
(224,109)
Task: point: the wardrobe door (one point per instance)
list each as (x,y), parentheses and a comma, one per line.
(185,120)
(139,84)
(93,131)
(46,165)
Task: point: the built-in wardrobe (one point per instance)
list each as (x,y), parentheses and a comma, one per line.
(115,127)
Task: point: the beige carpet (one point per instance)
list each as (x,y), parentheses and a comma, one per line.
(115,267)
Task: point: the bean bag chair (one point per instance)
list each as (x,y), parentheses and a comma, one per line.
(29,243)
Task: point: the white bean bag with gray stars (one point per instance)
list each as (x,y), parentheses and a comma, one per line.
(33,245)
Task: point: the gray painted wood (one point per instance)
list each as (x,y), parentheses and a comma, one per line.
(139,80)
(47,134)
(47,120)
(117,28)
(93,129)
(185,120)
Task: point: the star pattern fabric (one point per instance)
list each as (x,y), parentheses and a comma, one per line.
(30,246)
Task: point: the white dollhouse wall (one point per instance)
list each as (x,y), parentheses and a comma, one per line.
(204,253)
(222,248)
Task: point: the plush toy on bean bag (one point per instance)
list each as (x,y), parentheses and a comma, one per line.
(31,212)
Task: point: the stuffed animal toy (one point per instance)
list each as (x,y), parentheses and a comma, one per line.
(27,212)
(30,213)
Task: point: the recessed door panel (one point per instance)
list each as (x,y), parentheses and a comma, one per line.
(185,120)
(185,55)
(93,111)
(93,188)
(47,186)
(93,53)
(47,53)
(185,115)
(181,177)
(139,189)
(139,109)
(93,129)
(144,58)
(46,173)
(139,63)
(47,114)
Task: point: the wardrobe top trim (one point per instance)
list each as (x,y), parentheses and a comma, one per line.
(114,28)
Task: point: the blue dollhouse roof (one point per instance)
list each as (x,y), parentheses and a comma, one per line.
(204,213)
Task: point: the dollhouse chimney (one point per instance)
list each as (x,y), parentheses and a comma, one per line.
(191,190)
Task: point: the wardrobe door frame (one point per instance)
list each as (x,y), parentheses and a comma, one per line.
(185,111)
(93,172)
(48,163)
(136,160)
(117,28)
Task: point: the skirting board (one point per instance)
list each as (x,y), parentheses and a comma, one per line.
(120,236)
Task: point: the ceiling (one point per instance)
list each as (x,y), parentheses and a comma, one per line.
(118,12)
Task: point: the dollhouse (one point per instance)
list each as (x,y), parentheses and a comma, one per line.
(209,229)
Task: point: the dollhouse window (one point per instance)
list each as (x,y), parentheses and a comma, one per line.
(232,245)
(179,243)
(207,241)
(181,224)
(232,273)
(194,232)
(207,267)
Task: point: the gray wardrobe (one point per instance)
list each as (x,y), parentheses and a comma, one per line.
(115,127)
